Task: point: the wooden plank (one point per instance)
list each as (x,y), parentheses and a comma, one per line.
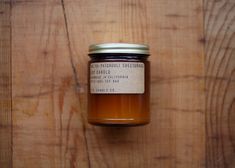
(174,31)
(5,85)
(220,83)
(47,105)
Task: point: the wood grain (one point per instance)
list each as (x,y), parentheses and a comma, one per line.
(49,93)
(5,86)
(43,83)
(220,83)
(47,109)
(175,137)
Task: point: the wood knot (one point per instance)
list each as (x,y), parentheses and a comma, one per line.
(202,40)
(45,52)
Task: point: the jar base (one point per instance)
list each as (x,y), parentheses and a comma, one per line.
(118,123)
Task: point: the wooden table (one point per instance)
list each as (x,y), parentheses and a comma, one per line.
(43,83)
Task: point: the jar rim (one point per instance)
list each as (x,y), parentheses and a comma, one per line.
(127,48)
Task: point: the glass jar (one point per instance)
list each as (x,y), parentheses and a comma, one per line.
(119,84)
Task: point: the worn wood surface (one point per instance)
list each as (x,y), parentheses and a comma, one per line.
(44,44)
(220,83)
(5,86)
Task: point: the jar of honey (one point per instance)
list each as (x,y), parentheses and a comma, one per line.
(119,84)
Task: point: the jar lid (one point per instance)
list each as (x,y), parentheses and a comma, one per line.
(119,48)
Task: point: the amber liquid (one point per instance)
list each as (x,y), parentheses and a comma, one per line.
(120,109)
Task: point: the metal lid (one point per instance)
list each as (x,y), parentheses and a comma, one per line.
(119,48)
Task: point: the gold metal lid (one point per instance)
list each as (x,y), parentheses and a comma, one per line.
(119,48)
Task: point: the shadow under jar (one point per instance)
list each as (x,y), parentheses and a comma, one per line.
(119,84)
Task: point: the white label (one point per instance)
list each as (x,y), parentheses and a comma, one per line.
(117,77)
